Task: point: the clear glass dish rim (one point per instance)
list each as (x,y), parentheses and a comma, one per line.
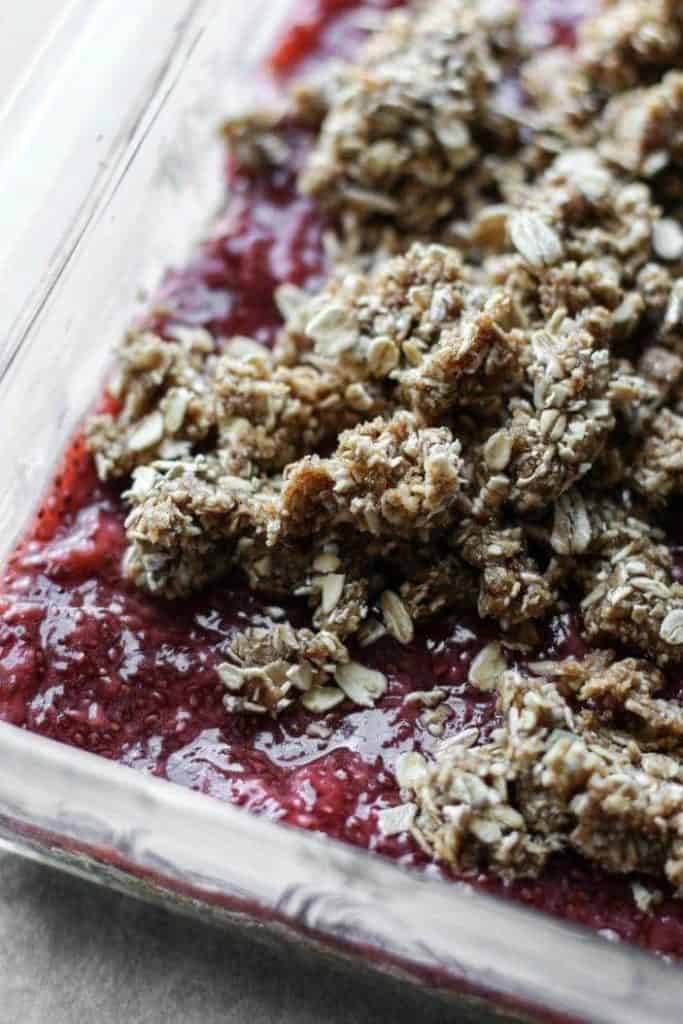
(141,833)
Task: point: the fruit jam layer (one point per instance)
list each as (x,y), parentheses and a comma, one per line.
(88,660)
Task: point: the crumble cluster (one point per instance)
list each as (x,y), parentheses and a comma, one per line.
(407,121)
(481,408)
(586,758)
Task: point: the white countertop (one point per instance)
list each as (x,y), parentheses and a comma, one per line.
(24,26)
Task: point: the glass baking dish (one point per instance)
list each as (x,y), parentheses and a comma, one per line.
(109,160)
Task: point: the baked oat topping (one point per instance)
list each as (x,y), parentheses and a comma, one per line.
(406,122)
(386,477)
(166,405)
(568,768)
(267,666)
(480,408)
(624,45)
(640,130)
(422,327)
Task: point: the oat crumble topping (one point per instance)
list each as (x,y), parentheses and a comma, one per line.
(585,759)
(481,408)
(415,111)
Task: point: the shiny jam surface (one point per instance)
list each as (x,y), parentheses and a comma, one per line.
(89,661)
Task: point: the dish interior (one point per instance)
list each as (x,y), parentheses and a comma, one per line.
(90,661)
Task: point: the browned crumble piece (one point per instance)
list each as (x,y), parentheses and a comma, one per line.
(336,584)
(562,104)
(274,414)
(277,570)
(331,571)
(561,773)
(406,120)
(642,130)
(662,294)
(658,469)
(448,583)
(465,814)
(625,44)
(552,438)
(258,139)
(606,688)
(663,369)
(598,677)
(166,405)
(583,233)
(635,398)
(268,667)
(341,602)
(475,365)
(631,595)
(589,522)
(386,477)
(184,520)
(629,42)
(599,787)
(511,588)
(423,324)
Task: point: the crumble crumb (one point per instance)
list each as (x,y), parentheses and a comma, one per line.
(658,469)
(432,588)
(556,437)
(257,139)
(626,44)
(274,414)
(465,814)
(630,591)
(582,232)
(421,323)
(663,370)
(640,129)
(268,668)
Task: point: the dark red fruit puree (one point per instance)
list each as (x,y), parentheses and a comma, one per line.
(88,660)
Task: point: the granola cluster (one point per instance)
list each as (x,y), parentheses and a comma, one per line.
(481,408)
(626,45)
(587,758)
(165,407)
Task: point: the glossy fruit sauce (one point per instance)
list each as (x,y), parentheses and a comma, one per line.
(88,660)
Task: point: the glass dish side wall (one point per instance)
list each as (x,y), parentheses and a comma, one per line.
(118,127)
(118,124)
